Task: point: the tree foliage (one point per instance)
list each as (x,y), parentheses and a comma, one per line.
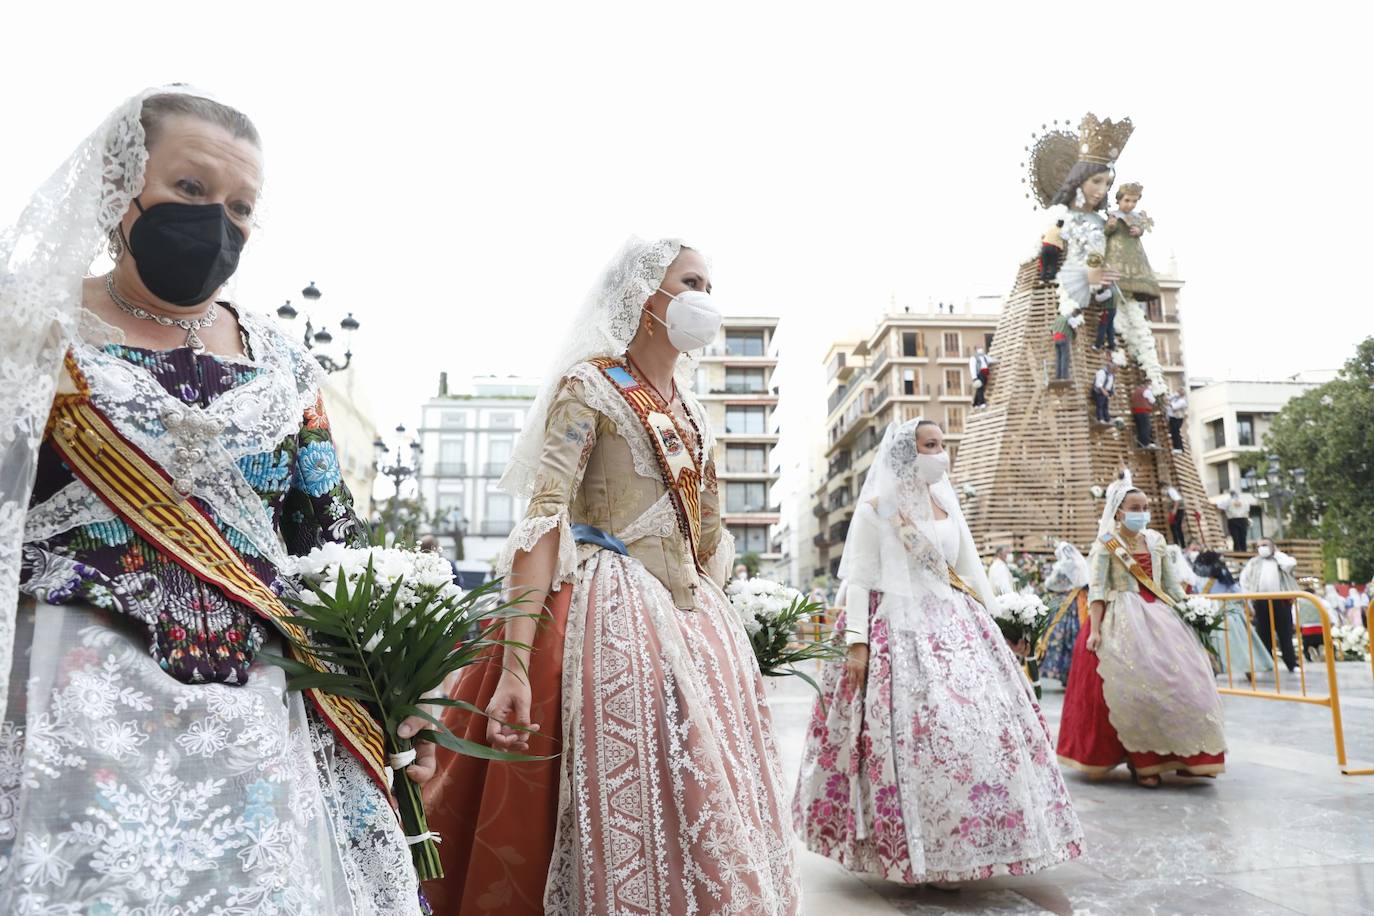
(1329,432)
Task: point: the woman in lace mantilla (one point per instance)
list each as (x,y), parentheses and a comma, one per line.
(1141,689)
(149,760)
(929,760)
(667,797)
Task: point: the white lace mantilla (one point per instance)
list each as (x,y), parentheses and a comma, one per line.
(126,792)
(200,447)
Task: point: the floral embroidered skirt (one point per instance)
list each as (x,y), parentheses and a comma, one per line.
(1146,698)
(666,797)
(941,769)
(124,790)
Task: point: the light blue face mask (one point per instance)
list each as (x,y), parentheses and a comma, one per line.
(1136,521)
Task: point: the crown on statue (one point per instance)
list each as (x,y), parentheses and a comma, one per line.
(1102,141)
(1133,188)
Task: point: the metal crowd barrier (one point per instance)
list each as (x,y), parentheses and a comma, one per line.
(1331,700)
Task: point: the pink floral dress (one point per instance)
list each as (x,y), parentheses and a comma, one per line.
(942,768)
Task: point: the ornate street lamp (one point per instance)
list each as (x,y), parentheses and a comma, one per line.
(321,337)
(398,470)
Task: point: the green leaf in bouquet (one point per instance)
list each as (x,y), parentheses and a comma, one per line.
(441,736)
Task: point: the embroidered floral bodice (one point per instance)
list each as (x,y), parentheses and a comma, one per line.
(260,462)
(598,467)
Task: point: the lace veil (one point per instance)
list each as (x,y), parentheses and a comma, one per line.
(604,326)
(1070,570)
(1116,495)
(44,257)
(887,549)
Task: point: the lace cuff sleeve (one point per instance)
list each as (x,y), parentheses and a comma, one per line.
(569,437)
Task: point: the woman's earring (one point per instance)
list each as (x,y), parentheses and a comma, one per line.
(115,245)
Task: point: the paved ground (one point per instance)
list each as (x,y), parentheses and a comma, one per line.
(1282,831)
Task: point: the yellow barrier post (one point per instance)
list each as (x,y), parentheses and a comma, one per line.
(1332,700)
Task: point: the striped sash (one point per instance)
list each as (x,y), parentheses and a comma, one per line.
(1118,549)
(680,471)
(142,494)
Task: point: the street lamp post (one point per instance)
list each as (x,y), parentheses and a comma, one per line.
(321,337)
(1275,487)
(398,470)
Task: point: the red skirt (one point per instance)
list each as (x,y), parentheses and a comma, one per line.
(1087,740)
(497,819)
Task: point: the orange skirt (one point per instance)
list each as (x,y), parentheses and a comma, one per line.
(497,819)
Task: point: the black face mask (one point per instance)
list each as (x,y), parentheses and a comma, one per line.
(184,252)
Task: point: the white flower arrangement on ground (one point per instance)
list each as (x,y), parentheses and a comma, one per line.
(388,626)
(1350,643)
(772,615)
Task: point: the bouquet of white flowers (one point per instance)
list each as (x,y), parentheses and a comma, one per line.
(389,625)
(1204,615)
(772,615)
(1350,643)
(1022,618)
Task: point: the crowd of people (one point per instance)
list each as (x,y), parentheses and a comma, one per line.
(166,453)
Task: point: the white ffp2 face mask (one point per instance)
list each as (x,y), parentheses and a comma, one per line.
(932,468)
(693,319)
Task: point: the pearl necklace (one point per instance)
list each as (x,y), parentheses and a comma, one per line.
(189,325)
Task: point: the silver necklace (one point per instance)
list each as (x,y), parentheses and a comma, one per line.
(189,325)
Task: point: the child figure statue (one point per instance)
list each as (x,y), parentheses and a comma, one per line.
(1125,252)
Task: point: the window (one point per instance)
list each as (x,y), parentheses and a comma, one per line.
(699,383)
(1217,431)
(911,412)
(1154,310)
(502,420)
(453,419)
(744,381)
(745,497)
(954,381)
(750,538)
(744,343)
(745,420)
(447,501)
(913,343)
(500,518)
(1223,477)
(954,419)
(745,459)
(908,381)
(1245,429)
(450,457)
(951,448)
(498,453)
(951,340)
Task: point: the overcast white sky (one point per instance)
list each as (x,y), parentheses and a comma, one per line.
(456,177)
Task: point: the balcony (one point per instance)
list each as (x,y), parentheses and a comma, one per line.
(839,499)
(819,510)
(493,469)
(840,465)
(959,354)
(450,469)
(820,540)
(881,398)
(838,532)
(953,391)
(836,397)
(880,360)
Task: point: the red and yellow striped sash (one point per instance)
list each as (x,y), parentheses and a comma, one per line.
(141,493)
(680,470)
